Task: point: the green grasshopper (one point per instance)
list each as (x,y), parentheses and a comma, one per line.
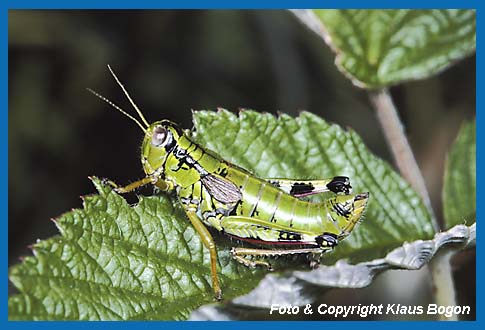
(215,193)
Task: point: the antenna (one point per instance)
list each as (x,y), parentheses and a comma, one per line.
(118,108)
(128,96)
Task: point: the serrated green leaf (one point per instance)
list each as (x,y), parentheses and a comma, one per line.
(307,147)
(459,191)
(114,261)
(117,262)
(378,48)
(299,288)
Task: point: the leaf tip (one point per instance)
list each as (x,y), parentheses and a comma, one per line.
(194,112)
(103,186)
(221,110)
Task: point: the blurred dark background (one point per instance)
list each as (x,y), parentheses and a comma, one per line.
(175,61)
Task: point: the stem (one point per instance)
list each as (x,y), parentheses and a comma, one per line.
(443,287)
(400,148)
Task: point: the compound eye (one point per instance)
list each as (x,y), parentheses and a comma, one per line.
(159,136)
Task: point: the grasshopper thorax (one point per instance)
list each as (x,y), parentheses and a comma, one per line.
(160,140)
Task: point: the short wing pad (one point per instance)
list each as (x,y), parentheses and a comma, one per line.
(221,189)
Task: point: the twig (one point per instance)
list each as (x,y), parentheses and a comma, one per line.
(400,148)
(443,287)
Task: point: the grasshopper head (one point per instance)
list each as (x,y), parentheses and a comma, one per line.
(346,211)
(160,140)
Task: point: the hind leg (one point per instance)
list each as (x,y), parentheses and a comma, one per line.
(301,188)
(241,254)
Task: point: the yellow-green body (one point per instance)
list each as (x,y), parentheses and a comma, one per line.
(232,200)
(215,193)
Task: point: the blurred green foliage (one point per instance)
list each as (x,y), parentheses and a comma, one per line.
(459,191)
(378,48)
(171,62)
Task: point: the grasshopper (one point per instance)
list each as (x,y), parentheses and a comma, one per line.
(215,193)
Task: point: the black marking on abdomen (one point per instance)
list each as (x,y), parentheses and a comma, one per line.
(299,188)
(288,236)
(234,210)
(292,216)
(327,240)
(276,204)
(258,198)
(342,211)
(275,183)
(340,184)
